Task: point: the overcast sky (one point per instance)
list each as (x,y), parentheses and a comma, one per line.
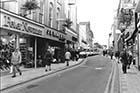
(100,13)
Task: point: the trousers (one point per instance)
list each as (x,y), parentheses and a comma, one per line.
(124,68)
(16,67)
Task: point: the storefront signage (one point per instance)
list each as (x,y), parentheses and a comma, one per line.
(54,34)
(17,24)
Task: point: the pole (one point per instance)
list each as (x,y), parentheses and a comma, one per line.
(35,57)
(17,41)
(136,17)
(138,51)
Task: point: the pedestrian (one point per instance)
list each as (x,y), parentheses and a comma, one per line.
(124,59)
(130,59)
(77,55)
(16,60)
(67,57)
(111,54)
(117,56)
(48,60)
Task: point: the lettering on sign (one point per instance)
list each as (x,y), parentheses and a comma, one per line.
(54,34)
(22,26)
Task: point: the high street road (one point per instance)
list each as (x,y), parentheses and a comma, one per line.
(92,76)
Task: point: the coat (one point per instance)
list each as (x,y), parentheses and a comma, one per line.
(124,57)
(16,58)
(48,58)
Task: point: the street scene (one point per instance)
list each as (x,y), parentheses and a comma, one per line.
(69,46)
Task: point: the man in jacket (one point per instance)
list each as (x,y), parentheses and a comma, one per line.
(16,60)
(124,59)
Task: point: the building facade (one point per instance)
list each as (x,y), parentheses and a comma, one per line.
(128,24)
(33,30)
(72,31)
(85,35)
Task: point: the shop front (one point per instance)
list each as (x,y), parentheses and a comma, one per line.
(71,39)
(56,41)
(22,33)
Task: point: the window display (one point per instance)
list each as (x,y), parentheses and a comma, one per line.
(7,46)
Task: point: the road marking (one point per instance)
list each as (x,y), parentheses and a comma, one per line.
(82,89)
(98,68)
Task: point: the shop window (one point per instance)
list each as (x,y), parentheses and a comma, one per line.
(34,16)
(10,6)
(40,17)
(7,46)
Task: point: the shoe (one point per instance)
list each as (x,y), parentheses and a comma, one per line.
(13,76)
(20,73)
(46,70)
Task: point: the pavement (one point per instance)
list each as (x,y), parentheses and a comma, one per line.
(130,82)
(30,74)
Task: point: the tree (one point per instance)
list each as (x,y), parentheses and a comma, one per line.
(67,23)
(29,6)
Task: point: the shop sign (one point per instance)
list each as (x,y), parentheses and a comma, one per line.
(54,34)
(20,25)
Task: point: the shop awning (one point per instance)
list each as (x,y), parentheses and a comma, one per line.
(74,38)
(132,36)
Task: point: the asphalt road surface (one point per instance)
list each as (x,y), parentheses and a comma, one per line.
(89,77)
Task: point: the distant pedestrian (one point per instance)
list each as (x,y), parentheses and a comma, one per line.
(77,55)
(111,54)
(117,56)
(124,59)
(48,60)
(16,60)
(67,57)
(130,59)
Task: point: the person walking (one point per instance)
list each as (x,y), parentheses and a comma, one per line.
(124,59)
(130,59)
(15,61)
(67,57)
(111,54)
(117,56)
(48,60)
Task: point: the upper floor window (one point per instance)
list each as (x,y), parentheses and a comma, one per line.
(41,5)
(9,5)
(58,16)
(50,22)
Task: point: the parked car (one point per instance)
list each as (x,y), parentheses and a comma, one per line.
(83,54)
